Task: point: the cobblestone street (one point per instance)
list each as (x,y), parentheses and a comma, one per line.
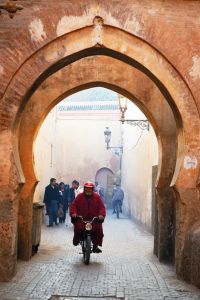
(126,269)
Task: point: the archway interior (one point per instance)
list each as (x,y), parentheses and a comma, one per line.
(70,145)
(37,110)
(30,176)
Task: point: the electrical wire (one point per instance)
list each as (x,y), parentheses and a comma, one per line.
(137,141)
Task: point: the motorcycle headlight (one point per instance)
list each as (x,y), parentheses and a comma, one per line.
(88,226)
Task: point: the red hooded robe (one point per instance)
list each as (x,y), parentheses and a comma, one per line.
(88,208)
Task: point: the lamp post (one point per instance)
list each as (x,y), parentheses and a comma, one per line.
(142,124)
(107,136)
(122,107)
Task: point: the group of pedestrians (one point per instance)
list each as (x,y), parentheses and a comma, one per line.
(87,203)
(57,198)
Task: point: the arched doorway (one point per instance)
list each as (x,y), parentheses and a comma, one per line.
(104,178)
(159,71)
(102,175)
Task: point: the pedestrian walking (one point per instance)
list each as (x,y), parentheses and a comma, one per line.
(72,191)
(118,197)
(51,200)
(63,203)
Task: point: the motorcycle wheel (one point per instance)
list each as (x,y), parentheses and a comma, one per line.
(87,250)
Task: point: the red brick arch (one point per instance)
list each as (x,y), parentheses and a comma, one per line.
(130,49)
(94,73)
(112,42)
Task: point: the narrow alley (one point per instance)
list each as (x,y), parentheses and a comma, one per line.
(126,269)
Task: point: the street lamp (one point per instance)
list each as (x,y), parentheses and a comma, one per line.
(107,136)
(122,107)
(142,124)
(118,150)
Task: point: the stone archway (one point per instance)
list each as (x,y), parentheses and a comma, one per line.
(36,111)
(109,41)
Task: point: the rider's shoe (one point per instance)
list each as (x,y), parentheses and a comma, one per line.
(96,249)
(75,244)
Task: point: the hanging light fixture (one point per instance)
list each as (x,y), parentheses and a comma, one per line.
(107,136)
(142,124)
(122,107)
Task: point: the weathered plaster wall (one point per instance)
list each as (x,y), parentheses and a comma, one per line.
(78,146)
(83,150)
(140,154)
(44,155)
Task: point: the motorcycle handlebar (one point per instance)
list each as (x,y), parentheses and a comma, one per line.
(75,219)
(80,217)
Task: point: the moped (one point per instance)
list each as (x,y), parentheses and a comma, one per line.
(86,242)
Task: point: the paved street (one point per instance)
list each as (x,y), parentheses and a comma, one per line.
(126,269)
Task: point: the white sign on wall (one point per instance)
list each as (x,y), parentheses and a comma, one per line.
(190,162)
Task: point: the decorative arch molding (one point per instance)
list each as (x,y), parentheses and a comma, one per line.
(119,44)
(36,111)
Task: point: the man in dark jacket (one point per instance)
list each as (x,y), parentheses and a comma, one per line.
(72,191)
(63,204)
(51,200)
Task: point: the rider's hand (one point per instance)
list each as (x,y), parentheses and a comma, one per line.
(101,217)
(74,216)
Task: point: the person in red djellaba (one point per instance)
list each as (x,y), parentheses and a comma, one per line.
(88,205)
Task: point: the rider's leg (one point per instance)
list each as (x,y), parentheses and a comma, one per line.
(78,232)
(97,237)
